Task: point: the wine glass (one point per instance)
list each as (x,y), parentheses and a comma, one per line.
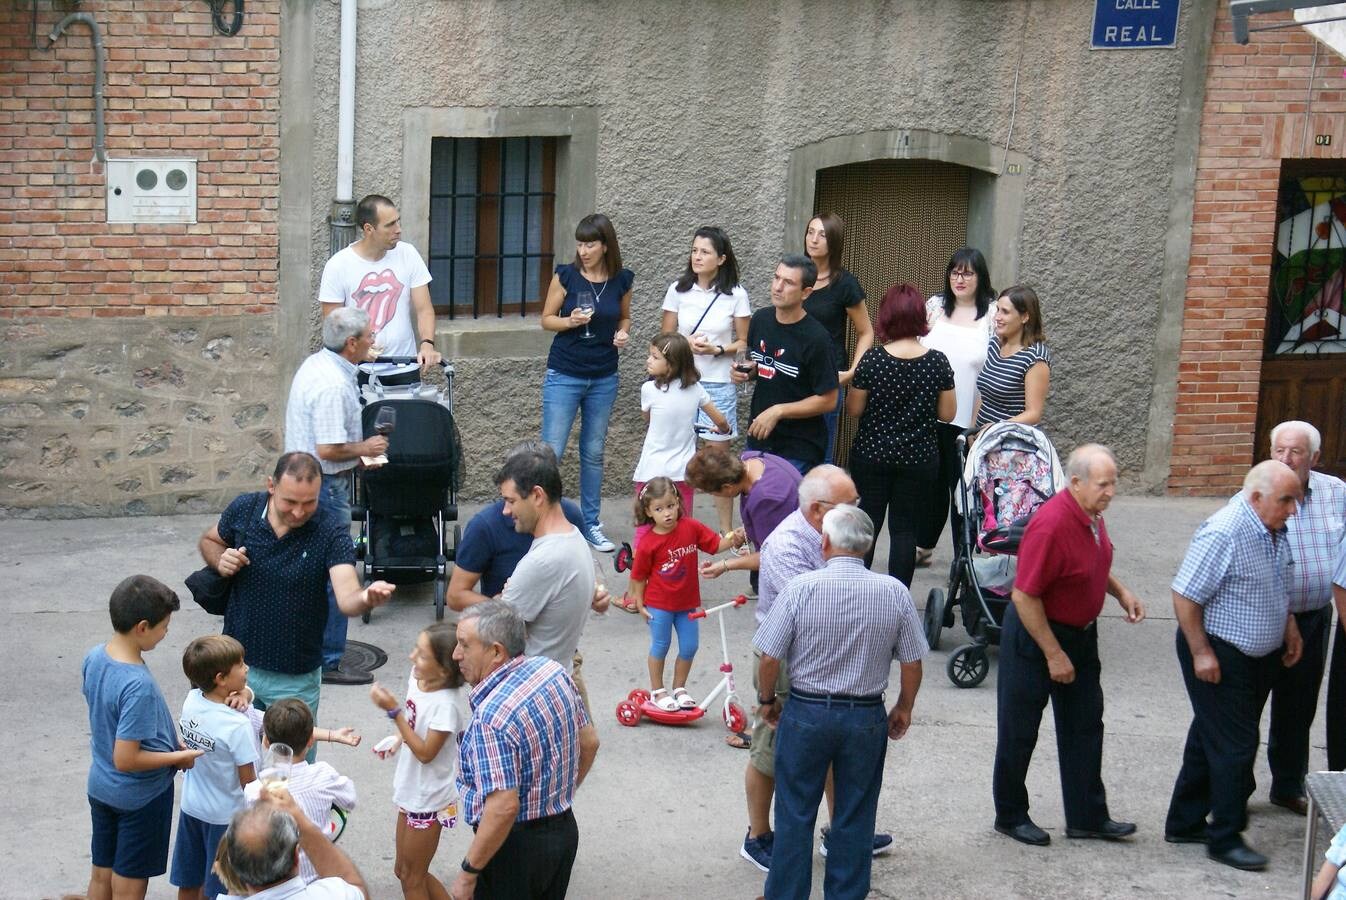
(385,420)
(584,305)
(276,765)
(599,584)
(743,364)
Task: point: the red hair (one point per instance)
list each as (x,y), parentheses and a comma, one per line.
(901,314)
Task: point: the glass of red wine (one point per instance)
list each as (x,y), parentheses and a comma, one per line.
(743,364)
(385,420)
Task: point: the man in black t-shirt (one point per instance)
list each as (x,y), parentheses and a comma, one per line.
(796,380)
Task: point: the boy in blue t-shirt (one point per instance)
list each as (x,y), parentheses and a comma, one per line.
(133,743)
(213,790)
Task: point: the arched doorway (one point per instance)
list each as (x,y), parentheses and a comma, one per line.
(903,220)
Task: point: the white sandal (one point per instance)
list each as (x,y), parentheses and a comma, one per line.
(661,699)
(683,699)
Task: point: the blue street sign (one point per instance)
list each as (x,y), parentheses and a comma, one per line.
(1134,24)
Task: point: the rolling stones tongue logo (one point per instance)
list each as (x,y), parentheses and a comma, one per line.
(377,295)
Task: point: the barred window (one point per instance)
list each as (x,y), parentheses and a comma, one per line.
(492,207)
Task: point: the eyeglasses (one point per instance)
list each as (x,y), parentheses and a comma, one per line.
(962,276)
(829,503)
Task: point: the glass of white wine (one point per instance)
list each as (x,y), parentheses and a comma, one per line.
(584,305)
(276,765)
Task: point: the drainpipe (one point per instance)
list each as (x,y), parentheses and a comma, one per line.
(99,147)
(341,219)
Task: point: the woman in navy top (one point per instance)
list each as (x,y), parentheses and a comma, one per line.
(1017,374)
(836,299)
(582,365)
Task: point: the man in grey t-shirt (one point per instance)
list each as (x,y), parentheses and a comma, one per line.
(553,586)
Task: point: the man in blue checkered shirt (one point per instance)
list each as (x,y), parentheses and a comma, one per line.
(838,629)
(1314,534)
(1235,631)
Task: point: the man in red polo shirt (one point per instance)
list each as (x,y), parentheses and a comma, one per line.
(1049,648)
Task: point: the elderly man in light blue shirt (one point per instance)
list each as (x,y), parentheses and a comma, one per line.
(1314,535)
(322,417)
(1234,631)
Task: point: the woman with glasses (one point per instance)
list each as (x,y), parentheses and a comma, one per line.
(836,298)
(901,391)
(710,308)
(960,326)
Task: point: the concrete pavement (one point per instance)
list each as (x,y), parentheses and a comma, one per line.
(662,814)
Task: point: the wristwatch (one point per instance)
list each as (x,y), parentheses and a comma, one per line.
(767,702)
(427,341)
(719,349)
(469,868)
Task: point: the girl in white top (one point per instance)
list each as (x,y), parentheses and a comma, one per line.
(709,307)
(669,401)
(423,789)
(960,327)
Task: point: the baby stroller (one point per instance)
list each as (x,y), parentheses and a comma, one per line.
(1009,472)
(406,505)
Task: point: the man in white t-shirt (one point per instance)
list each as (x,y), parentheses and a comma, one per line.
(387,279)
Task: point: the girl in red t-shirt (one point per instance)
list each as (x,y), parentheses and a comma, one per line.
(666,586)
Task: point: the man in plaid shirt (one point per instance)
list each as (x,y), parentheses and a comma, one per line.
(1231,600)
(525,751)
(1314,534)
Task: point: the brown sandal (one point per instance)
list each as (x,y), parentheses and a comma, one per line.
(627,604)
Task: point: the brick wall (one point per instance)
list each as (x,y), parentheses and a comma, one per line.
(1254,117)
(138,364)
(174,87)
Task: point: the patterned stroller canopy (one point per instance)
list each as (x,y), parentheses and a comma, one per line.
(1011,469)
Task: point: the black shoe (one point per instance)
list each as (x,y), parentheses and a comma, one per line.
(1108,831)
(1025,833)
(1240,856)
(346,676)
(1200,836)
(1297,805)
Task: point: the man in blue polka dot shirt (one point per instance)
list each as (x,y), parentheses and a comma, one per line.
(280,547)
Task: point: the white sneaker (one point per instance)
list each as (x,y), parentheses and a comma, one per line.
(599,540)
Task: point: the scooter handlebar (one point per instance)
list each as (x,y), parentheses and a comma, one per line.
(697,614)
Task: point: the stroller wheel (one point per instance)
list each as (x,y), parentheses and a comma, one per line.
(934,617)
(441,591)
(622,561)
(968,666)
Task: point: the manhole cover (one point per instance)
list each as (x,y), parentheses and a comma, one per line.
(362,657)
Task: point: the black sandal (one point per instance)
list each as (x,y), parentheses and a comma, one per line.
(739,740)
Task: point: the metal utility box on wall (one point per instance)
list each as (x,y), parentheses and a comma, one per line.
(151,191)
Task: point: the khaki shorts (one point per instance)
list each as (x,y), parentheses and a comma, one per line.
(576,668)
(762,756)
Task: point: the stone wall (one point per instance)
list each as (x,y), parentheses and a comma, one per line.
(700,106)
(165,415)
(137,372)
(1256,114)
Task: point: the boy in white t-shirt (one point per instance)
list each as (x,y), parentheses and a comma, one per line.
(316,787)
(212,789)
(387,279)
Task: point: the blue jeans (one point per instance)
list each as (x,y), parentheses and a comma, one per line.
(564,396)
(335,494)
(662,624)
(830,420)
(853,741)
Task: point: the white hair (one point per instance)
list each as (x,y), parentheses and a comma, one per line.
(849,529)
(342,324)
(817,484)
(1315,439)
(1261,478)
(1082,458)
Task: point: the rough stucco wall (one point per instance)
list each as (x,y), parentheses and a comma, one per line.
(700,105)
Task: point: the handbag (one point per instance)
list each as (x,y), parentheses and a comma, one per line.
(210,590)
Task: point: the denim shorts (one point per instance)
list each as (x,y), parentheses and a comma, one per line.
(725,397)
(133,843)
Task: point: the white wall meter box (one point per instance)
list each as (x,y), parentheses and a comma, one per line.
(151,191)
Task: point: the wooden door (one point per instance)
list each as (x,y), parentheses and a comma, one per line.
(904,219)
(1304,359)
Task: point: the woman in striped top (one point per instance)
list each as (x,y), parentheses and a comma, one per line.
(1014,382)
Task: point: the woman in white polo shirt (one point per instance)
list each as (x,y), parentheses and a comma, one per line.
(710,307)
